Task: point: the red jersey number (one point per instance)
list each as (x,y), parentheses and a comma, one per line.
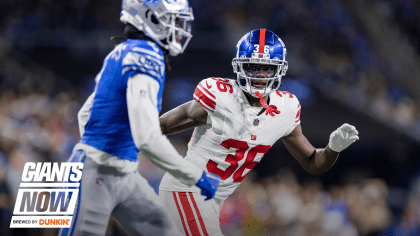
(285,93)
(223,85)
(233,160)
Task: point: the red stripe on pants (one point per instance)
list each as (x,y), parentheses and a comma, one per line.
(180,214)
(203,227)
(189,214)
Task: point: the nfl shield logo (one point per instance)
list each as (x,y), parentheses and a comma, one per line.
(99,181)
(256,121)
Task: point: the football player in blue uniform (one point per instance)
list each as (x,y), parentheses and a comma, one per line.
(121,118)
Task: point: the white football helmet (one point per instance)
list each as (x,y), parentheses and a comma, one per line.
(167,22)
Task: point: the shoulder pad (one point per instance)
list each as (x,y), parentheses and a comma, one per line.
(292,102)
(205,94)
(144,60)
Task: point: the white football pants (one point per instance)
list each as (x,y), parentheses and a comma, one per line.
(193,215)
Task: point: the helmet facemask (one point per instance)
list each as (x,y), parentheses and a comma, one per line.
(259,73)
(177,28)
(168,23)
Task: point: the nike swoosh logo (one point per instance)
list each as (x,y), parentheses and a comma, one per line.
(208,85)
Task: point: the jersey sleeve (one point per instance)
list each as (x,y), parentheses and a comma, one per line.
(147,135)
(143,60)
(294,108)
(84,113)
(205,94)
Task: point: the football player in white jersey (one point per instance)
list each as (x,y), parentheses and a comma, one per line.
(236,122)
(121,118)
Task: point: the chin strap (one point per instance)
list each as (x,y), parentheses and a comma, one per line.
(269,109)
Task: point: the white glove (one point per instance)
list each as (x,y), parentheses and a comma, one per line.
(343,137)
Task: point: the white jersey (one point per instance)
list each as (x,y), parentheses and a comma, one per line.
(236,135)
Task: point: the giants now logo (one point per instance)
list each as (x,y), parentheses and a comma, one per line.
(47,189)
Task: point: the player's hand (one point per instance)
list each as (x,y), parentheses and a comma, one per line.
(208,183)
(343,137)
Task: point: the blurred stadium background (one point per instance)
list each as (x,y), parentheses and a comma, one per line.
(354,62)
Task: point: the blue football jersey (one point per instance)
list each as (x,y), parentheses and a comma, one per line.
(108,127)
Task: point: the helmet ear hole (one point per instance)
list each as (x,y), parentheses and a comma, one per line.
(154,19)
(242,82)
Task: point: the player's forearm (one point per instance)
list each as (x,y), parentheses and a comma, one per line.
(146,132)
(161,152)
(322,160)
(318,161)
(340,139)
(183,117)
(175,121)
(178,128)
(157,148)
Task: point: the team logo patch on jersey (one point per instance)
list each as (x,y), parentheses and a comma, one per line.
(99,181)
(253,137)
(143,93)
(256,122)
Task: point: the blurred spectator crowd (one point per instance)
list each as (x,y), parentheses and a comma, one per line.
(364,53)
(280,205)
